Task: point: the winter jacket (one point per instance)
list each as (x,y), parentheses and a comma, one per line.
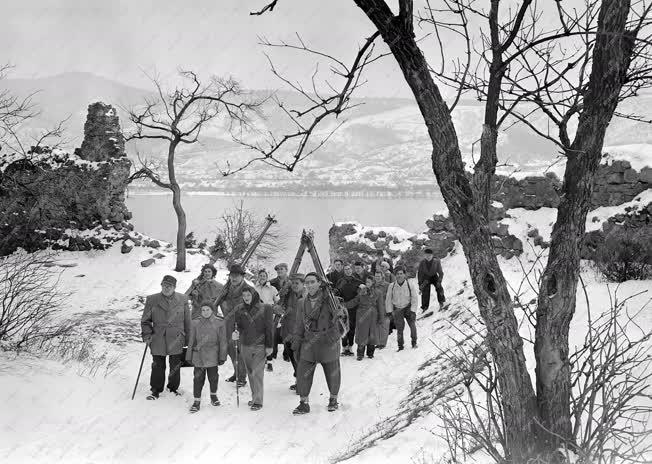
(289,320)
(347,287)
(255,323)
(207,345)
(334,277)
(207,292)
(413,295)
(278,285)
(266,292)
(167,321)
(371,309)
(317,336)
(233,299)
(428,270)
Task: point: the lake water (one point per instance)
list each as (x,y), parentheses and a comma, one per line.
(154,216)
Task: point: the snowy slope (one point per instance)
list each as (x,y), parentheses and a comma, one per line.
(51,413)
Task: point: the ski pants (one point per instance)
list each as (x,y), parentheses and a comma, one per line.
(157,377)
(306,372)
(199,377)
(400,317)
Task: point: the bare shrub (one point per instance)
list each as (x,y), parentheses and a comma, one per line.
(624,257)
(238,229)
(30,301)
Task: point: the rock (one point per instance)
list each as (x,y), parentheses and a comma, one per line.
(103,139)
(498,229)
(126,247)
(497,243)
(615,178)
(154,244)
(159,255)
(507,254)
(646,175)
(382,234)
(67,264)
(630,176)
(148,262)
(533,233)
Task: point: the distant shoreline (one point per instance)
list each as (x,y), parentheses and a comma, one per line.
(282,194)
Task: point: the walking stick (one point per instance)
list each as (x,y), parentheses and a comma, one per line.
(237,380)
(139,370)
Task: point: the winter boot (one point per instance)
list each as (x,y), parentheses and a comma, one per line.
(332,404)
(152,396)
(174,392)
(303,408)
(414,343)
(256,406)
(293,387)
(360,357)
(370,351)
(195,407)
(400,348)
(214,400)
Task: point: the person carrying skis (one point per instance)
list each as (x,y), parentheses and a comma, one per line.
(204,290)
(430,273)
(165,327)
(234,298)
(317,337)
(256,335)
(207,349)
(402,300)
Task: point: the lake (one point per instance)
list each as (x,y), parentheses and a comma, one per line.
(153,215)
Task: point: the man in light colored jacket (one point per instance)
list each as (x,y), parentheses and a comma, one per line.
(401,300)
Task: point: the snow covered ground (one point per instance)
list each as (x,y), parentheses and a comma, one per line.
(55,412)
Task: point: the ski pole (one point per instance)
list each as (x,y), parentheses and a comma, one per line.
(237,372)
(139,370)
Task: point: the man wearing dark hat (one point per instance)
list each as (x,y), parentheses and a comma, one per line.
(430,273)
(234,298)
(290,305)
(204,290)
(165,326)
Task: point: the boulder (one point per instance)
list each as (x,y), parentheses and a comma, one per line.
(148,262)
(126,247)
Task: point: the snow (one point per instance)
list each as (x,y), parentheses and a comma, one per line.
(55,159)
(53,412)
(596,218)
(639,155)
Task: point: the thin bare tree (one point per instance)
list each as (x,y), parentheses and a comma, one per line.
(178,117)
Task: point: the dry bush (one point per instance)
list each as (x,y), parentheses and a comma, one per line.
(30,301)
(625,257)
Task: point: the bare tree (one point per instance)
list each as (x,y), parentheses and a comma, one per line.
(238,229)
(610,47)
(178,117)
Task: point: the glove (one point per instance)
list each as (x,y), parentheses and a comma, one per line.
(147,339)
(268,351)
(235,336)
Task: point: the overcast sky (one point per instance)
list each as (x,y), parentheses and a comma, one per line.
(119,39)
(123,39)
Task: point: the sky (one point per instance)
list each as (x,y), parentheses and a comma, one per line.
(123,40)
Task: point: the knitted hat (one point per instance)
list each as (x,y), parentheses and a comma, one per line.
(168,279)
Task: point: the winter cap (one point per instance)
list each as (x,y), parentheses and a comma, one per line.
(281,266)
(168,279)
(298,276)
(236,269)
(428,251)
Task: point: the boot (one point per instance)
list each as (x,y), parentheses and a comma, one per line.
(152,396)
(332,404)
(256,406)
(174,392)
(400,348)
(303,408)
(414,343)
(195,407)
(293,387)
(214,400)
(242,383)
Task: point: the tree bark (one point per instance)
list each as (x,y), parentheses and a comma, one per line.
(468,210)
(556,303)
(178,209)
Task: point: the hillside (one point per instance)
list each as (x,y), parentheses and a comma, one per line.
(382,144)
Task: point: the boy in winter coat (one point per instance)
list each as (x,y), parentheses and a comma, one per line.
(430,273)
(165,326)
(255,332)
(207,349)
(380,287)
(317,337)
(204,290)
(371,309)
(402,301)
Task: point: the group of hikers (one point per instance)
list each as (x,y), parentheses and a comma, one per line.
(203,326)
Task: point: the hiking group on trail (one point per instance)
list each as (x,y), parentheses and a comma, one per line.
(303,313)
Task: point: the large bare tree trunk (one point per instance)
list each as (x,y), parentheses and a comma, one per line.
(178,209)
(468,208)
(556,305)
